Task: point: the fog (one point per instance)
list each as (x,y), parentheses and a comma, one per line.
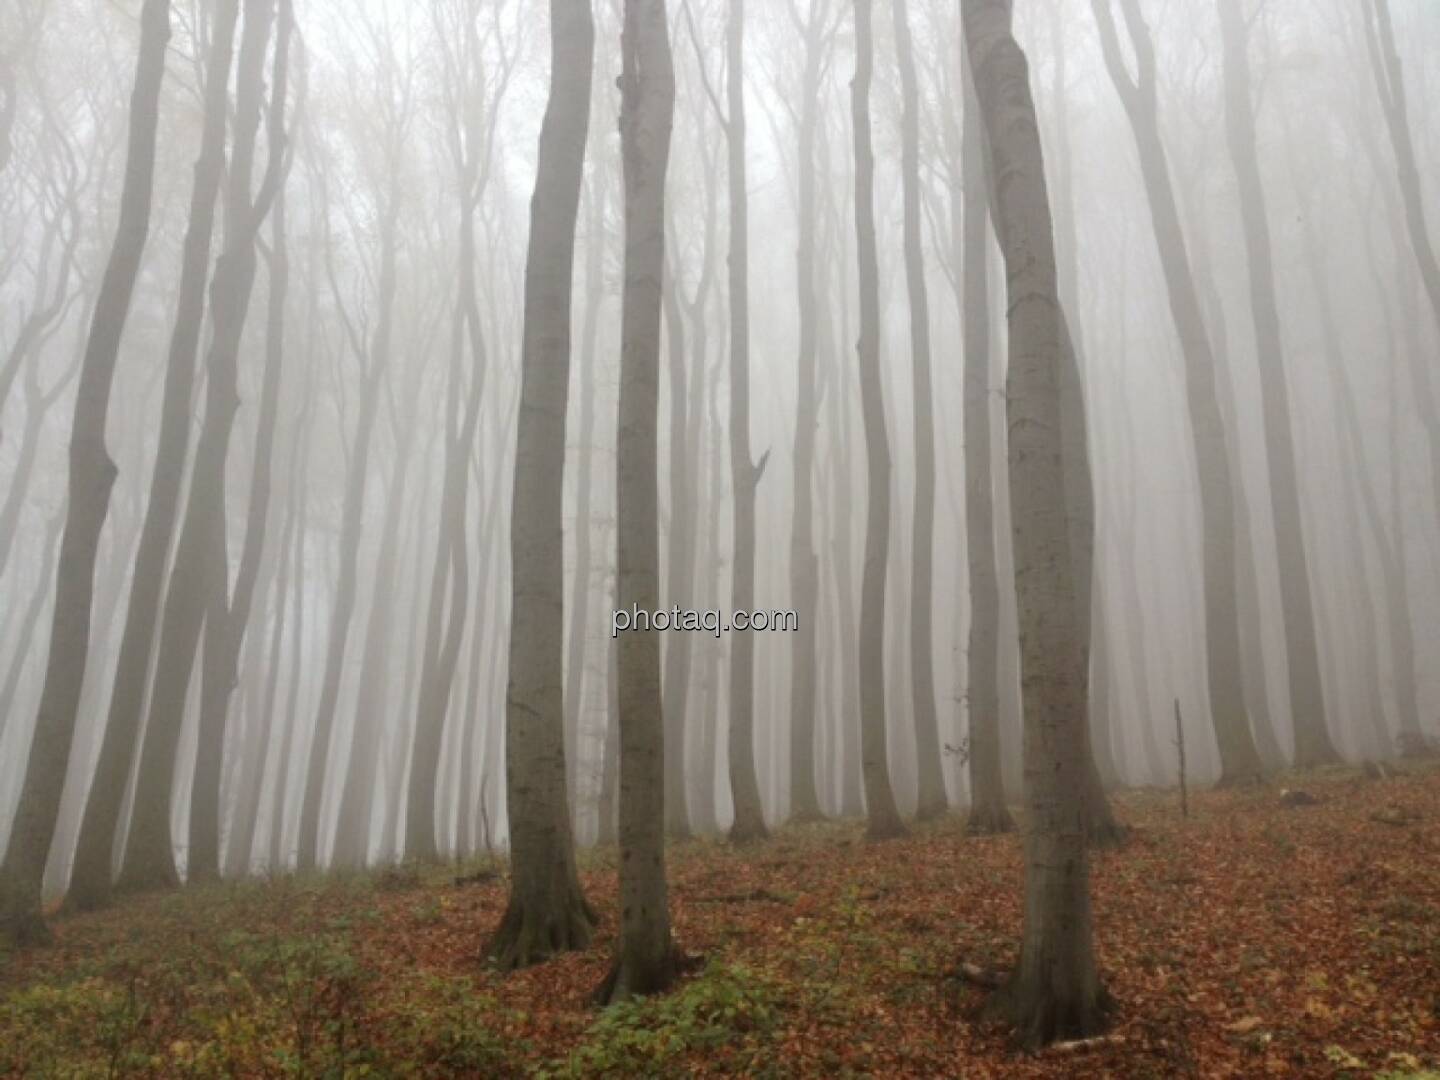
(300,637)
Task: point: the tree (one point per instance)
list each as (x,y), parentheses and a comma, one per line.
(1389,76)
(1307,698)
(1239,759)
(988,812)
(883,816)
(547,911)
(199,580)
(1054,991)
(90,878)
(932,798)
(745,474)
(91,478)
(804,562)
(646,959)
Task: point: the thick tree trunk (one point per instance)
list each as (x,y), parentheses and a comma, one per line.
(646,961)
(1055,991)
(749,823)
(1307,699)
(883,816)
(988,812)
(1239,759)
(931,781)
(91,479)
(547,912)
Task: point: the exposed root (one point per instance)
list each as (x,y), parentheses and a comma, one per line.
(1041,1018)
(989,820)
(530,934)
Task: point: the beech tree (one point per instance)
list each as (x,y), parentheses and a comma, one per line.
(91,479)
(547,911)
(1054,991)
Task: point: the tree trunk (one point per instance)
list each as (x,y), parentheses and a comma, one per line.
(988,812)
(1055,991)
(646,960)
(90,878)
(883,816)
(547,912)
(931,781)
(91,479)
(749,823)
(225,635)
(1239,759)
(804,563)
(1394,103)
(199,579)
(680,567)
(1307,699)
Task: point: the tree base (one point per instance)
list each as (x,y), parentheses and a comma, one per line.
(85,894)
(1039,1016)
(989,821)
(886,828)
(1240,778)
(24,928)
(807,816)
(932,811)
(143,879)
(531,933)
(629,979)
(747,831)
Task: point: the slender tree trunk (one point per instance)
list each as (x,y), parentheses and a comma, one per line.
(580,585)
(1239,759)
(1055,991)
(279,857)
(679,570)
(547,912)
(932,799)
(225,635)
(884,817)
(1307,699)
(988,812)
(90,879)
(745,475)
(199,579)
(91,478)
(1394,103)
(646,960)
(804,563)
(317,766)
(30,619)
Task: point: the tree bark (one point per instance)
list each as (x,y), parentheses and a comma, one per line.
(883,816)
(804,562)
(1394,103)
(646,961)
(749,823)
(988,812)
(931,781)
(1054,992)
(199,578)
(91,478)
(547,912)
(90,878)
(1307,699)
(1239,759)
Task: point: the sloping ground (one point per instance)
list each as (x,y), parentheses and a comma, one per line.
(1253,939)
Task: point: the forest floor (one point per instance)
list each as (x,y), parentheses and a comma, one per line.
(1251,939)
